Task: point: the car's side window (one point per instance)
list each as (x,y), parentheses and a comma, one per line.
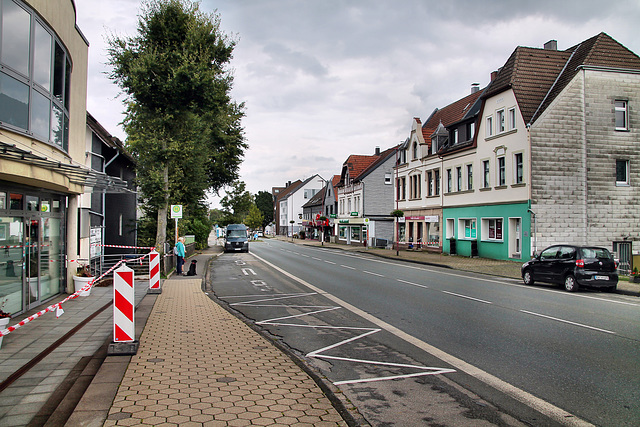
(567,252)
(549,253)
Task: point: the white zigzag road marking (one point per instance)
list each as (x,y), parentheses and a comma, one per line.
(319,354)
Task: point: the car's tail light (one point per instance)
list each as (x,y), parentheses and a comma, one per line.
(616,263)
(580,263)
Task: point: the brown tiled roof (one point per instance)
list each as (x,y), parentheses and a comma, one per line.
(452,113)
(334,182)
(358,163)
(537,75)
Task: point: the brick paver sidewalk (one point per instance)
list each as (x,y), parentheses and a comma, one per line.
(199,365)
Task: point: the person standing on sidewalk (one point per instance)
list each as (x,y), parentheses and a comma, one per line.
(179,251)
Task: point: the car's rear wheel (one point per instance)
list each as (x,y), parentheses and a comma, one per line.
(570,283)
(527,277)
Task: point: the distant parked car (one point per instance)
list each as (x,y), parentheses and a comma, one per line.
(573,267)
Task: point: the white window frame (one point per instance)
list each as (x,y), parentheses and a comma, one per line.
(458,178)
(624,183)
(486,174)
(486,226)
(450,228)
(449,180)
(489,127)
(515,167)
(500,121)
(624,109)
(511,116)
(501,171)
(387,179)
(465,224)
(469,170)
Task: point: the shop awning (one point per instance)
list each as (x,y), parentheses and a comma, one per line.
(79,175)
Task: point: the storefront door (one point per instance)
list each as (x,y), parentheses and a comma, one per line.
(32,246)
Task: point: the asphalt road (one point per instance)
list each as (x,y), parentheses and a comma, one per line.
(465,347)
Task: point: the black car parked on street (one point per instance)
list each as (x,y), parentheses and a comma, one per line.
(573,267)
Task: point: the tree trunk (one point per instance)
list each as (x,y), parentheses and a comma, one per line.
(161,233)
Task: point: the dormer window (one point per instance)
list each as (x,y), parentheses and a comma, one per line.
(415,150)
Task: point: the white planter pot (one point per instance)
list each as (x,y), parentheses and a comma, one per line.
(4,322)
(81,282)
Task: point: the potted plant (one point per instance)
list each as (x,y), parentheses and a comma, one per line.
(635,277)
(82,277)
(4,318)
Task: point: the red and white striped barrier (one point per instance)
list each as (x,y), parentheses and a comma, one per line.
(124,247)
(154,270)
(58,306)
(123,305)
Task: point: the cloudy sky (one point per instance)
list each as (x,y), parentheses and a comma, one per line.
(324,79)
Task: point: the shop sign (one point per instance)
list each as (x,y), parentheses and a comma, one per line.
(432,218)
(344,221)
(414,218)
(354,213)
(95,240)
(333,216)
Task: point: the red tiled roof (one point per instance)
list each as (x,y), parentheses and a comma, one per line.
(537,75)
(452,113)
(358,163)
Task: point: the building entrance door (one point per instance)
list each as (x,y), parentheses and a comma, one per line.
(32,247)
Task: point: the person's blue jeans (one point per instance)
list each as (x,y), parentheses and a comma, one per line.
(179,264)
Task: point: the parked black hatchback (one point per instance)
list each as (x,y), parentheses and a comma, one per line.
(572,267)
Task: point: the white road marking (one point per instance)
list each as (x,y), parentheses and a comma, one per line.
(246,271)
(467,297)
(373,274)
(568,322)
(560,415)
(413,284)
(329,262)
(348,266)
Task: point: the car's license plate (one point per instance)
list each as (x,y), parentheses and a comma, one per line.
(601,277)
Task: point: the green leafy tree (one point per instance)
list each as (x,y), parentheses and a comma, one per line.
(236,203)
(182,126)
(254,218)
(264,202)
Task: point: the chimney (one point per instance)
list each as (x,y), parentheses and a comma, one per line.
(377,151)
(551,45)
(475,87)
(494,74)
(288,184)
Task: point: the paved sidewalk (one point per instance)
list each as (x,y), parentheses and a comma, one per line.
(199,364)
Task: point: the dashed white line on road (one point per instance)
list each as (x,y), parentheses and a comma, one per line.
(347,266)
(372,273)
(329,262)
(467,297)
(413,284)
(568,322)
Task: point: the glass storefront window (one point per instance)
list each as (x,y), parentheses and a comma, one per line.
(342,233)
(16,201)
(32,203)
(11,241)
(3,200)
(42,57)
(14,108)
(355,233)
(16,30)
(35,77)
(40,115)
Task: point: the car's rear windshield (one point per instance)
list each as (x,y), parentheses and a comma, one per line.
(595,253)
(236,233)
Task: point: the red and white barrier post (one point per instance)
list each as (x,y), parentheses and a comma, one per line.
(154,272)
(124,342)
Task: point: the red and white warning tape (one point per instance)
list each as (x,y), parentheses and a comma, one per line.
(57,306)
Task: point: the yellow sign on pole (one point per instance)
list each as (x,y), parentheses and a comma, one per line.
(176,211)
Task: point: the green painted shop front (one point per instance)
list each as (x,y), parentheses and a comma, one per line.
(492,231)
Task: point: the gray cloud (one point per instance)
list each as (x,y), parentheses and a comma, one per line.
(326,79)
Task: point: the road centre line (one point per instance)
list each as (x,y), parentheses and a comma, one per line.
(330,262)
(413,284)
(568,322)
(504,281)
(372,273)
(558,414)
(467,297)
(347,266)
